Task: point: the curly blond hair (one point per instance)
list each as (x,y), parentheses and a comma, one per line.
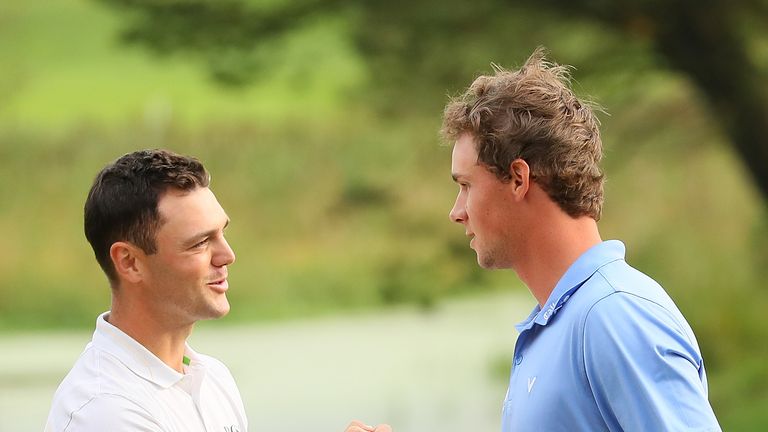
(532,114)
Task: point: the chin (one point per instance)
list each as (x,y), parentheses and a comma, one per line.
(223,311)
(487,266)
(485,262)
(490,262)
(217,311)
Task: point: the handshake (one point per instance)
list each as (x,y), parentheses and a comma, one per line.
(358,426)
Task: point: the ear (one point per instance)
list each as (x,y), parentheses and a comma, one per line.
(520,182)
(126,258)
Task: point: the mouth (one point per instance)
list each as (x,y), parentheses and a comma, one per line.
(471,238)
(219,285)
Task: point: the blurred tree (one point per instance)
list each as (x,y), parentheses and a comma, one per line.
(414,48)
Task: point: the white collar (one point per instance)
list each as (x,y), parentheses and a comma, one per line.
(135,356)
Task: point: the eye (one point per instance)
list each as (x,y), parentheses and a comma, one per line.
(200,243)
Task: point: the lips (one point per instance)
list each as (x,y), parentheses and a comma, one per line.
(219,285)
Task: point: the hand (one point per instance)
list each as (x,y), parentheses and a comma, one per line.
(358,426)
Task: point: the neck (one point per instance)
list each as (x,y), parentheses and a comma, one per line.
(166,341)
(559,241)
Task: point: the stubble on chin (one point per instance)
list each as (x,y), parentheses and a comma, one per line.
(491,260)
(486,260)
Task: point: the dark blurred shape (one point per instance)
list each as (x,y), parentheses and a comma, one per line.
(702,39)
(225,33)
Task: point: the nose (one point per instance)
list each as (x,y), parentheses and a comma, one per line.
(458,213)
(225,255)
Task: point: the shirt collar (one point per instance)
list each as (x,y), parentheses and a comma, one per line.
(582,269)
(134,355)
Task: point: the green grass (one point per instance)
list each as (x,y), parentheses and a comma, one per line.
(63,65)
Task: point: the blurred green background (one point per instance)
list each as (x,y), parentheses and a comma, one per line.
(318,122)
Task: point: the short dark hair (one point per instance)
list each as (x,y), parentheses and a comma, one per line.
(532,114)
(122,203)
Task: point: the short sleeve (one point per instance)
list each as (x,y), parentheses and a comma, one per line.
(112,413)
(643,368)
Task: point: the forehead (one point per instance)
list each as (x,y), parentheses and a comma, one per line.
(192,210)
(464,155)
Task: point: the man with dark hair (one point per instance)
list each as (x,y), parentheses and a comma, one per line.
(605,348)
(157,231)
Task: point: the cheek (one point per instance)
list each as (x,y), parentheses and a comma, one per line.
(185,267)
(195,267)
(484,212)
(476,207)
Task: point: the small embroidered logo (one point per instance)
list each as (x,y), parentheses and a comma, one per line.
(550,310)
(531,382)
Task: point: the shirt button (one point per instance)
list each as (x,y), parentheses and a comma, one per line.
(518,360)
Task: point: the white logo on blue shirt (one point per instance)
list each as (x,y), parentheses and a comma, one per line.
(550,310)
(531,382)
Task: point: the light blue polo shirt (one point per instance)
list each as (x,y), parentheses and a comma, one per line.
(609,351)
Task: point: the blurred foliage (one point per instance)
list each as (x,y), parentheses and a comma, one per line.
(329,165)
(402,40)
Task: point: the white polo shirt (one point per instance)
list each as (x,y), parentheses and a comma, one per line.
(118,385)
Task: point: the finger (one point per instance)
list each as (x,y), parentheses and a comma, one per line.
(358,426)
(383,428)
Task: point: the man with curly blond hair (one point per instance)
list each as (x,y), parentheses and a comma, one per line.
(605,348)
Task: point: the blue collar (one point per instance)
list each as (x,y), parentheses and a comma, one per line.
(582,269)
